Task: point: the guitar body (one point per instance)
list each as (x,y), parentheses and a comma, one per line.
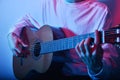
(22,66)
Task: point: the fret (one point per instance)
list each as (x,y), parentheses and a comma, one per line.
(54,47)
(48,47)
(70,43)
(51,47)
(42,48)
(66,45)
(59,44)
(75,41)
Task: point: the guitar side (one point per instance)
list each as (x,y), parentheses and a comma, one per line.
(22,66)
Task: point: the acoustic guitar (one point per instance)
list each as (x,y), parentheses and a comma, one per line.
(42,46)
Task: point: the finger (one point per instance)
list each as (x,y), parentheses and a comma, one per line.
(18,45)
(82,48)
(97,37)
(77,49)
(15,52)
(87,46)
(17,42)
(17,39)
(22,43)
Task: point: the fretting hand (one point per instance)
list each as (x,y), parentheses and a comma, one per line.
(91,55)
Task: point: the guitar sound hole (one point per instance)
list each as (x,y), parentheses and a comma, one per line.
(37,49)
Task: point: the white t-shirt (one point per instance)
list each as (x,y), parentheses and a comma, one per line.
(82,17)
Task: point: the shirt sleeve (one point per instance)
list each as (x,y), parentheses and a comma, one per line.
(26,21)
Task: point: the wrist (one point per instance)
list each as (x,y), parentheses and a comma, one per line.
(95,68)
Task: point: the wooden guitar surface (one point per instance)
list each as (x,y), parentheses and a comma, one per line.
(22,66)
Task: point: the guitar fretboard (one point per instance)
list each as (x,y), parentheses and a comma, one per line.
(110,36)
(63,44)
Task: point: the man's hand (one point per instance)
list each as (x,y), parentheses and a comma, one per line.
(19,44)
(91,55)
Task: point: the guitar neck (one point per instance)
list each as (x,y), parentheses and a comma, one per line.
(63,44)
(109,36)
